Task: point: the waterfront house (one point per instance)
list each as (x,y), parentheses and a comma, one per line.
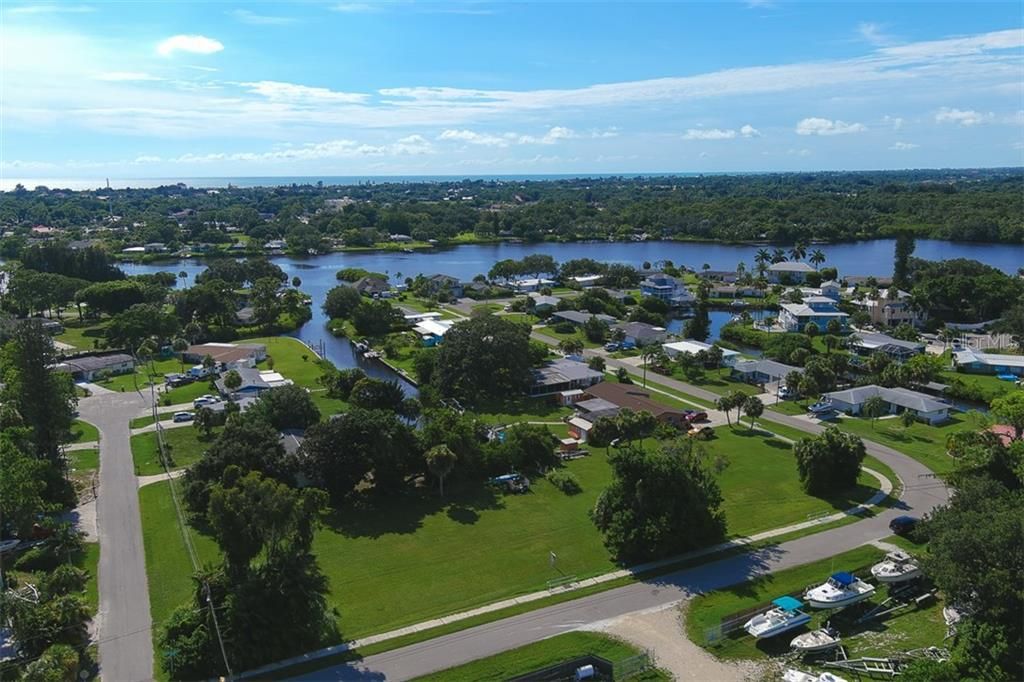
(976,362)
(864,343)
(444,283)
(374,287)
(891,308)
(692,346)
(524,286)
(897,400)
(788,272)
(660,285)
(641,334)
(431,331)
(227,355)
(830,289)
(254,382)
(586,281)
(820,310)
(606,399)
(727,276)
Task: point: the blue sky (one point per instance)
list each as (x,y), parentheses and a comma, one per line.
(188,89)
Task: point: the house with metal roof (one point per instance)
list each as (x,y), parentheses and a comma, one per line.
(976,362)
(864,343)
(788,272)
(897,400)
(579,318)
(92,367)
(762,371)
(563,375)
(692,346)
(641,334)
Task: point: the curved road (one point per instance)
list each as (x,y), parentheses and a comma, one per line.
(125,644)
(921,492)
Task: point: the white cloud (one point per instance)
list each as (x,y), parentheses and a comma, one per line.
(248,17)
(962,117)
(126,76)
(904,146)
(472,137)
(750,131)
(874,33)
(290,92)
(826,126)
(895,121)
(50,9)
(604,134)
(798,152)
(195,44)
(709,134)
(355,7)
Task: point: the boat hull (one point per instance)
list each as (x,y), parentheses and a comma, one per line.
(890,578)
(777,629)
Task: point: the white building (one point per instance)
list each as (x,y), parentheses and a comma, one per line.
(794,317)
(792,272)
(897,400)
(692,346)
(586,281)
(526,285)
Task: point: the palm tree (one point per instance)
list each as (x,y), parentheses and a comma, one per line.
(817,258)
(146,351)
(778,255)
(648,354)
(571,346)
(180,345)
(762,257)
(797,252)
(182,276)
(440,461)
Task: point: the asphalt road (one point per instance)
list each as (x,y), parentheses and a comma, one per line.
(125,645)
(921,492)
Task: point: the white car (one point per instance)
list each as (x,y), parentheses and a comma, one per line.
(205,400)
(183,417)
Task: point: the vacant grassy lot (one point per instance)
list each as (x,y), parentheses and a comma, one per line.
(83,432)
(718,381)
(541,655)
(82,335)
(760,484)
(84,460)
(925,443)
(186,444)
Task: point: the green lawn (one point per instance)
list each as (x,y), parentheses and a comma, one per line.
(760,483)
(84,460)
(718,381)
(990,386)
(791,407)
(898,632)
(292,359)
(186,448)
(482,308)
(81,335)
(541,655)
(543,409)
(84,432)
(186,393)
(576,334)
(925,443)
(89,561)
(525,318)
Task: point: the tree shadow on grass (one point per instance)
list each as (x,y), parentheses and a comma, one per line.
(850,498)
(373,515)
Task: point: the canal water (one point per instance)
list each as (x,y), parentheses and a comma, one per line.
(318,273)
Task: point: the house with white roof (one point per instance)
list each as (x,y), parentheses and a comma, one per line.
(864,343)
(976,362)
(586,281)
(892,308)
(563,376)
(897,400)
(788,272)
(692,346)
(794,317)
(431,331)
(523,286)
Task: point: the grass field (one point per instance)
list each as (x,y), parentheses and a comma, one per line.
(89,561)
(923,442)
(84,432)
(576,334)
(760,483)
(186,447)
(904,630)
(186,393)
(85,460)
(541,655)
(81,335)
(717,381)
(989,384)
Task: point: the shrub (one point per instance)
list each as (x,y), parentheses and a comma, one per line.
(565,481)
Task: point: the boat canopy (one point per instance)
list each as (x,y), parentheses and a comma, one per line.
(787,603)
(843,579)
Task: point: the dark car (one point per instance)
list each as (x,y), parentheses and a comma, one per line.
(902,525)
(697,417)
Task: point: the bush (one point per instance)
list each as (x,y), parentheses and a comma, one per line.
(564,328)
(39,558)
(565,481)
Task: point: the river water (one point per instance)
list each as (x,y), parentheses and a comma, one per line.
(318,273)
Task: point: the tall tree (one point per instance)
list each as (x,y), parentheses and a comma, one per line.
(904,249)
(873,408)
(484,358)
(830,462)
(440,460)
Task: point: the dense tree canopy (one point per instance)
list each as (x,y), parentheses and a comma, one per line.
(829,463)
(484,358)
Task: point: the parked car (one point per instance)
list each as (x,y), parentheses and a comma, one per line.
(902,525)
(205,400)
(820,407)
(696,417)
(701,432)
(183,417)
(785,393)
(611,346)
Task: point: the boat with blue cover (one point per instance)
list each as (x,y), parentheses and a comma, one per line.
(840,590)
(785,615)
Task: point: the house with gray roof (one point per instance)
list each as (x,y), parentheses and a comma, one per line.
(579,318)
(563,375)
(763,371)
(897,400)
(641,334)
(865,343)
(788,272)
(92,367)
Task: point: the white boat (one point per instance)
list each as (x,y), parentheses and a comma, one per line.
(815,641)
(794,675)
(840,590)
(897,567)
(783,617)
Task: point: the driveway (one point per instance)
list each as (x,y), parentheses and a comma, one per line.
(125,644)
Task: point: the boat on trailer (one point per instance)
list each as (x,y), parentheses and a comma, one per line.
(896,567)
(840,590)
(785,615)
(815,641)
